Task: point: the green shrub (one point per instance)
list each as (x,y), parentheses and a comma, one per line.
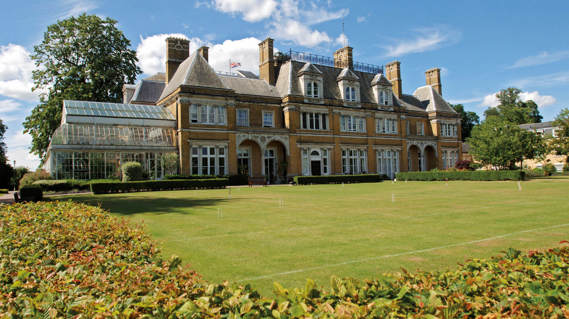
(461,175)
(30,178)
(3,191)
(132,171)
(536,172)
(549,169)
(239,179)
(190,176)
(566,168)
(31,193)
(63,260)
(336,179)
(150,186)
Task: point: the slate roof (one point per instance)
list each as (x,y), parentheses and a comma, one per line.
(147,91)
(194,71)
(380,79)
(347,74)
(249,86)
(533,126)
(431,100)
(247,74)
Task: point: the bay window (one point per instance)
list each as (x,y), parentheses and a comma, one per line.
(388,162)
(354,161)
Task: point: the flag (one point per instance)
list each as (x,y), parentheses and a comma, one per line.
(235,64)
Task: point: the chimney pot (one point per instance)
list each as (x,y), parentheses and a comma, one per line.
(433,78)
(266,61)
(393,74)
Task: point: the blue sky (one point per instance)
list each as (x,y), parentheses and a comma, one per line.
(481,46)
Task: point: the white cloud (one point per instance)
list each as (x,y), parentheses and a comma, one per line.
(288,20)
(491,100)
(7,106)
(540,100)
(244,51)
(77,7)
(18,150)
(152,50)
(547,80)
(427,39)
(342,40)
(361,19)
(251,10)
(542,58)
(16,68)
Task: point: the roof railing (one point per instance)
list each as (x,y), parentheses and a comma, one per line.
(324,60)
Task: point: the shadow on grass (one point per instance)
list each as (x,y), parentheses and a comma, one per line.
(128,205)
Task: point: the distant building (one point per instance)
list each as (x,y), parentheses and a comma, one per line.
(545,129)
(303,115)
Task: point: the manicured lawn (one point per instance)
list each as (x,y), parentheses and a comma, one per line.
(287,234)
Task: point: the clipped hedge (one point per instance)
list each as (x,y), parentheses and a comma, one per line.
(461,176)
(31,193)
(68,260)
(63,185)
(336,179)
(148,186)
(4,191)
(190,176)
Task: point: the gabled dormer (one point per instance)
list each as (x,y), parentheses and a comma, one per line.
(349,85)
(311,81)
(382,90)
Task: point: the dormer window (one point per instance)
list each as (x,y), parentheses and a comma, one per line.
(350,94)
(311,80)
(349,85)
(382,90)
(312,89)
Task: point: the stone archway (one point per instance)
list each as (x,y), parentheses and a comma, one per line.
(430,158)
(414,159)
(250,159)
(275,162)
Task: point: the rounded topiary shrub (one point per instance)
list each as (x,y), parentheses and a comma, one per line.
(132,171)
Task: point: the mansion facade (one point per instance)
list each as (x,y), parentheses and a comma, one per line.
(302,115)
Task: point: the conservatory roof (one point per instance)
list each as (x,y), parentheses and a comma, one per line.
(116,113)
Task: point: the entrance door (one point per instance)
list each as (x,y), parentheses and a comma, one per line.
(315,163)
(270,165)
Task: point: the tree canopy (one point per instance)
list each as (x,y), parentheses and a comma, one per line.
(560,143)
(80,58)
(5,167)
(513,109)
(502,144)
(467,120)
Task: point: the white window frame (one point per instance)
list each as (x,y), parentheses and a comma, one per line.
(420,128)
(354,161)
(385,125)
(215,157)
(238,122)
(312,89)
(207,114)
(309,119)
(352,123)
(272,118)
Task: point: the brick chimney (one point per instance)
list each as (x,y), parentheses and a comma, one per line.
(343,58)
(393,74)
(433,78)
(266,61)
(203,51)
(177,50)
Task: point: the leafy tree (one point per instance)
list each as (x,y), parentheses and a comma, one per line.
(467,120)
(80,58)
(5,167)
(560,143)
(512,109)
(502,144)
(17,174)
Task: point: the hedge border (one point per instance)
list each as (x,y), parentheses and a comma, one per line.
(151,186)
(461,176)
(336,179)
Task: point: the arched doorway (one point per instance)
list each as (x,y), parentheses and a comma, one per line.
(430,158)
(249,159)
(275,163)
(414,159)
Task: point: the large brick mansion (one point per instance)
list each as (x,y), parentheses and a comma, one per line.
(303,115)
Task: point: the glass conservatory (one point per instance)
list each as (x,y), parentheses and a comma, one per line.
(95,139)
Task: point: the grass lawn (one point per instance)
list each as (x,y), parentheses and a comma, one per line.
(287,234)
